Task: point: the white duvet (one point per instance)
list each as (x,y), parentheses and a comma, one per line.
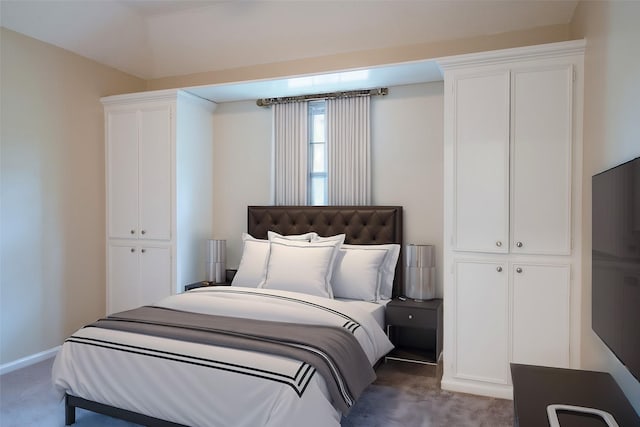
(200,385)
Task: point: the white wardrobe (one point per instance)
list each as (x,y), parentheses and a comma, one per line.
(159,151)
(512,201)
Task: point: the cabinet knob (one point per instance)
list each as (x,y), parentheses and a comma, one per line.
(132,250)
(133,231)
(143,250)
(143,232)
(498,243)
(499,269)
(518,270)
(411,316)
(519,244)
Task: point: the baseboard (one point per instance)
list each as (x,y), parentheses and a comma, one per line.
(474,387)
(28,360)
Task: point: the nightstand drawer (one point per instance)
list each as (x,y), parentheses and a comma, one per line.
(412,317)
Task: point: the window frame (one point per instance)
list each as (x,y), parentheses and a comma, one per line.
(316,108)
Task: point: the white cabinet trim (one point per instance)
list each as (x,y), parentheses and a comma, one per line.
(167,95)
(517,54)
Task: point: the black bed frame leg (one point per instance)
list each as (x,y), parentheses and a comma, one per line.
(69,412)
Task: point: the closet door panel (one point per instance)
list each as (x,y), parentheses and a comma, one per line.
(482,316)
(155,173)
(481,151)
(122,174)
(541,156)
(155,274)
(123,278)
(540,314)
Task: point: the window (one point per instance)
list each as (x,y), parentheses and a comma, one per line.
(313,139)
(317,153)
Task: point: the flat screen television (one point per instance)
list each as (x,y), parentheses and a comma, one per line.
(616,261)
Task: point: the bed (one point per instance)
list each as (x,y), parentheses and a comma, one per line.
(166,365)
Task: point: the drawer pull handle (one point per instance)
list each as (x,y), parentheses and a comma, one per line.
(499,269)
(411,316)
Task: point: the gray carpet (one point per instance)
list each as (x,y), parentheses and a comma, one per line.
(404,395)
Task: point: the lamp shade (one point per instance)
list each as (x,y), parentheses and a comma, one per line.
(216,260)
(420,272)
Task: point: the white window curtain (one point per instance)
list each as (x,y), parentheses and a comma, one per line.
(349,151)
(290,153)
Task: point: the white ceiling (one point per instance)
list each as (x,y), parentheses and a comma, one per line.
(161,38)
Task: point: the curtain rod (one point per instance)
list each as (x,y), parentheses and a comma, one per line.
(265,102)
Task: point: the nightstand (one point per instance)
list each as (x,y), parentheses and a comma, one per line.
(203,284)
(415,328)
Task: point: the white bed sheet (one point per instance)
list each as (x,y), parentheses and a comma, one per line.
(200,385)
(376,309)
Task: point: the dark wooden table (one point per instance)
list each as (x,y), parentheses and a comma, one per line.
(536,387)
(415,328)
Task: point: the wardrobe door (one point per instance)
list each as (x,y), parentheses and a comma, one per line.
(540,314)
(541,160)
(481,321)
(122,289)
(155,172)
(122,174)
(155,274)
(481,162)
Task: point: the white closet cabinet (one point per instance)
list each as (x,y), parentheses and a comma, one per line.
(139,275)
(139,172)
(507,312)
(516,120)
(159,150)
(512,174)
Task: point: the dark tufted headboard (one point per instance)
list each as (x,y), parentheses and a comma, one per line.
(362,225)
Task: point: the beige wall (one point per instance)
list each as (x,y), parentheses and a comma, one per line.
(611,136)
(407,161)
(406,138)
(52,213)
(241,169)
(368,58)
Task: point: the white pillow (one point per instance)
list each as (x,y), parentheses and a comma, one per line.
(338,237)
(307,236)
(302,266)
(357,273)
(253,264)
(388,268)
(255,254)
